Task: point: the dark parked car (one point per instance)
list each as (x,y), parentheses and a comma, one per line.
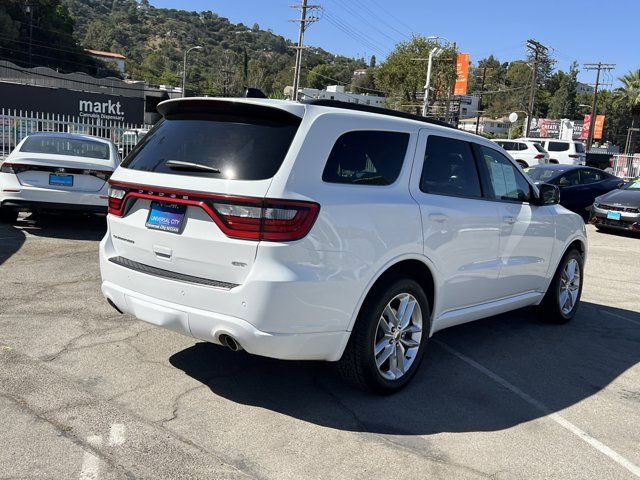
(579,186)
(619,209)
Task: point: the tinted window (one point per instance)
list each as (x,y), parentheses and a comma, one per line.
(579,148)
(449,168)
(366,158)
(507,182)
(591,176)
(522,146)
(558,146)
(507,145)
(66,146)
(540,174)
(569,179)
(539,148)
(236,147)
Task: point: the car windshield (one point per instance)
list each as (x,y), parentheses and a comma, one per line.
(75,147)
(541,174)
(633,185)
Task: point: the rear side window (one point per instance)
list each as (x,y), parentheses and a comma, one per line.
(507,145)
(449,168)
(367,158)
(219,146)
(522,146)
(558,146)
(579,148)
(591,176)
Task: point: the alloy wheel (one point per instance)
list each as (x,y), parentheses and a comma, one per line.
(569,286)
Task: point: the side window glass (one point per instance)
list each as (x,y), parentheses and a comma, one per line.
(449,168)
(522,146)
(507,182)
(558,146)
(569,179)
(590,176)
(366,158)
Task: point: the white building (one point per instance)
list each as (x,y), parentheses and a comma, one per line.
(584,88)
(337,92)
(469,106)
(109,57)
(494,126)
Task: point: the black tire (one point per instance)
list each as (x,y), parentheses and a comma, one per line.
(550,308)
(357,365)
(8,216)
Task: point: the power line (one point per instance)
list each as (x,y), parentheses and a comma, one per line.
(364,6)
(356,14)
(354,33)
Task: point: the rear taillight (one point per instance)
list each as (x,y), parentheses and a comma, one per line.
(15,168)
(238,217)
(116,197)
(273,220)
(539,156)
(103,175)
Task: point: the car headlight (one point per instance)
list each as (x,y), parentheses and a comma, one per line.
(596,204)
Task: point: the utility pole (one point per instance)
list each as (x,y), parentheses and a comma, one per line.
(303,20)
(537,48)
(594,107)
(484,76)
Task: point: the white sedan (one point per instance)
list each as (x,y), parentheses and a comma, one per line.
(57,171)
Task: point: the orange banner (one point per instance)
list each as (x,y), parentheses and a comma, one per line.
(599,126)
(462,72)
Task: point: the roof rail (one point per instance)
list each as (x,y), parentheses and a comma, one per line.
(378,110)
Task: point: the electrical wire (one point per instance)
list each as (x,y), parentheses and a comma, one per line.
(356,14)
(354,33)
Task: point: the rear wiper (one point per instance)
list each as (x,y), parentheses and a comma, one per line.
(179,165)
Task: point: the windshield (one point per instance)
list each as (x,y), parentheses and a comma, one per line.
(633,185)
(538,174)
(66,146)
(234,148)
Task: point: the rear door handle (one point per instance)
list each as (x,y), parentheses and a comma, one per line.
(509,220)
(438,217)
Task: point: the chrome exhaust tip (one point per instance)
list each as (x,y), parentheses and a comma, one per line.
(230,343)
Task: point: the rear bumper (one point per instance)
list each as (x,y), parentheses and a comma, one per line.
(210,326)
(21,197)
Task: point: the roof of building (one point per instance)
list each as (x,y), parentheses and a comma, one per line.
(99,53)
(483,120)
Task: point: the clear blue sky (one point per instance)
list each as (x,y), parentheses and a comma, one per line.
(582,30)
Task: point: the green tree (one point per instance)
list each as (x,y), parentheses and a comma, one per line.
(403,77)
(628,97)
(563,100)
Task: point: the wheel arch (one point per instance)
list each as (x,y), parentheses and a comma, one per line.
(421,269)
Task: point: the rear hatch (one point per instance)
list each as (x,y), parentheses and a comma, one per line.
(190,198)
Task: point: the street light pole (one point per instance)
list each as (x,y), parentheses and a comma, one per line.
(184,69)
(433,53)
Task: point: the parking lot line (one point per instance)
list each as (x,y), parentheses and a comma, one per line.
(564,423)
(90,463)
(619,316)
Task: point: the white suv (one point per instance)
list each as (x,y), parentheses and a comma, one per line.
(525,152)
(565,152)
(330,231)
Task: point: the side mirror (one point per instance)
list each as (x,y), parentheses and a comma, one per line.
(548,194)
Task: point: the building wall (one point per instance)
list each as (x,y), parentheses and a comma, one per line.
(336,92)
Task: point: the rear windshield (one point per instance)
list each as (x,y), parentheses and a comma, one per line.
(539,148)
(66,146)
(579,148)
(227,147)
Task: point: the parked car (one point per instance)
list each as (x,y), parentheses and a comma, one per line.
(619,209)
(579,186)
(330,231)
(525,152)
(56,171)
(129,139)
(564,152)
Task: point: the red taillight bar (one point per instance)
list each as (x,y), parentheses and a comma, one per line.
(301,214)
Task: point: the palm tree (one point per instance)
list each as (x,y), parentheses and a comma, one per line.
(629,96)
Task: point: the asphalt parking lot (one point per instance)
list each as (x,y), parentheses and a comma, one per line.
(86,393)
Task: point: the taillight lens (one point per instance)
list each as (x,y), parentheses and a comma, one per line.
(272,220)
(116,196)
(539,156)
(15,168)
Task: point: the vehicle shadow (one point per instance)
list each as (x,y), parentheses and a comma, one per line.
(558,365)
(63,226)
(11,240)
